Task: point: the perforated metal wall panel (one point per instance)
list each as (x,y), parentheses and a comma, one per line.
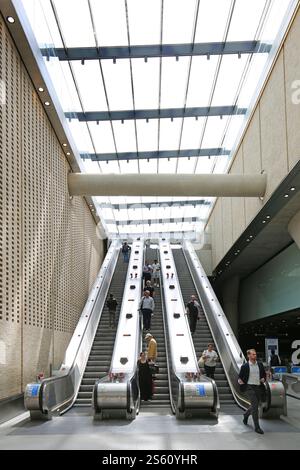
(49,251)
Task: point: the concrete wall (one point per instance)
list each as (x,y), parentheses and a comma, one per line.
(49,251)
(271,144)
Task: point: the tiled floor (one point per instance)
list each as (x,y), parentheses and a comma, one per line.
(151,430)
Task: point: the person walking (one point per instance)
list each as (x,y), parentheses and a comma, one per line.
(145,377)
(155,273)
(252,377)
(151,348)
(147,270)
(147,306)
(274,360)
(192,310)
(112,308)
(125,250)
(210,358)
(149,288)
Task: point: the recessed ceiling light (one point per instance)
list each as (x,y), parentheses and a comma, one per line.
(64,145)
(268,216)
(68,153)
(47,103)
(10,19)
(286,195)
(41,89)
(250,236)
(293,188)
(263,221)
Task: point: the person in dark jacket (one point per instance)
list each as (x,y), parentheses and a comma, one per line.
(126,251)
(145,377)
(252,377)
(112,308)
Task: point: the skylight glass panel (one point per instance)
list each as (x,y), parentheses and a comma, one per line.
(178,21)
(186,166)
(204,165)
(212,12)
(102,136)
(192,131)
(245,20)
(201,80)
(144,21)
(166,166)
(213,132)
(110,22)
(111,166)
(89,81)
(91,166)
(43,22)
(228,80)
(148,167)
(233,131)
(174,81)
(118,84)
(147,134)
(81,136)
(169,134)
(256,68)
(79,31)
(70,100)
(274,19)
(125,136)
(146,83)
(221,164)
(129,167)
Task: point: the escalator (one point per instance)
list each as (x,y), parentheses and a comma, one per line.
(101,353)
(161,397)
(203,336)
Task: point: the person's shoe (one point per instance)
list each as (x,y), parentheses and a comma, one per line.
(259,431)
(245,420)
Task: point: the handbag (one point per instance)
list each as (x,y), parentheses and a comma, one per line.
(201,362)
(154,369)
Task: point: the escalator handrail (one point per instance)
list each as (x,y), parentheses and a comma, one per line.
(227,337)
(66,384)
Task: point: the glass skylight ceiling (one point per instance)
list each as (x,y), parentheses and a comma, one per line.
(225,83)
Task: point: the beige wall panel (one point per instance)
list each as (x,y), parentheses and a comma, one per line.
(238,203)
(60,341)
(273,128)
(219,231)
(49,253)
(292,74)
(10,359)
(252,163)
(37,352)
(227,223)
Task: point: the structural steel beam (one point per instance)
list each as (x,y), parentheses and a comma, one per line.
(211,185)
(153,205)
(102,157)
(172,113)
(170,220)
(156,50)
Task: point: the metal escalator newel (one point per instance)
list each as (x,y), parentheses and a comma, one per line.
(123,360)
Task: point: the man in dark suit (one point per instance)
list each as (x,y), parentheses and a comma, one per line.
(252,377)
